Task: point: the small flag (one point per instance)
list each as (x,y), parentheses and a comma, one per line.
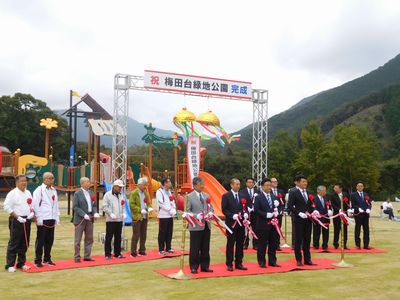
(75,94)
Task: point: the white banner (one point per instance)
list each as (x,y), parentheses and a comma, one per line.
(190,84)
(193,157)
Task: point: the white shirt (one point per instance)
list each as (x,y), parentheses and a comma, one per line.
(88,199)
(386,205)
(301,191)
(164,204)
(16,202)
(251,192)
(45,207)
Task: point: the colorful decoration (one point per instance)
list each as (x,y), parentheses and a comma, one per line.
(184,120)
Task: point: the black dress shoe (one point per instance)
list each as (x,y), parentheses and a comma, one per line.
(262,266)
(367,248)
(309,263)
(299,264)
(336,247)
(245,248)
(274,265)
(77,260)
(241,267)
(346,248)
(193,271)
(88,259)
(325,249)
(207,270)
(358,247)
(229,268)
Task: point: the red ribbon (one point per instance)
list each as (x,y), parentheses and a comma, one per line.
(274,222)
(314,218)
(237,221)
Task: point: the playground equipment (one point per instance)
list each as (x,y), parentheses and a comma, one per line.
(49,124)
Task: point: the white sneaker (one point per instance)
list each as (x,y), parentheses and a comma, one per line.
(25,268)
(11,270)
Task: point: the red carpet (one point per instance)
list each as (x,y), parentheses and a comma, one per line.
(99,261)
(330,250)
(254,269)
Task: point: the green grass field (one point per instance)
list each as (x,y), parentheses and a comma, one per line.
(374,276)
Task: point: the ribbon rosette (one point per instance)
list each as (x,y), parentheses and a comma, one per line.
(145,200)
(93,198)
(311,198)
(53,198)
(122,202)
(367,200)
(29,201)
(346,200)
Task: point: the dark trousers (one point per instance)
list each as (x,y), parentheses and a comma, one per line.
(17,243)
(254,241)
(165,229)
(113,230)
(336,232)
(302,239)
(44,241)
(389,212)
(293,217)
(362,220)
(139,233)
(200,249)
(317,229)
(267,237)
(235,241)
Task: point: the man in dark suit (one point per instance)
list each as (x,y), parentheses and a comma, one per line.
(266,207)
(325,210)
(361,203)
(278,193)
(299,205)
(336,199)
(85,210)
(199,254)
(234,213)
(249,193)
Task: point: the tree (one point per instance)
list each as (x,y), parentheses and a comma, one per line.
(353,155)
(312,159)
(19,125)
(282,153)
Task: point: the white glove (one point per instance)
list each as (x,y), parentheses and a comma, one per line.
(368,211)
(113,216)
(350,212)
(316,212)
(86,217)
(172,212)
(360,210)
(199,217)
(276,203)
(39,222)
(246,216)
(31,215)
(144,211)
(302,215)
(255,195)
(270,215)
(150,209)
(210,214)
(57,222)
(123,216)
(250,209)
(235,217)
(21,220)
(96,216)
(330,213)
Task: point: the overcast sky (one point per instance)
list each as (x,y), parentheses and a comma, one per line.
(292,48)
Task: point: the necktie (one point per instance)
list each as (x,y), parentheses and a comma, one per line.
(322,202)
(269,200)
(304,195)
(251,193)
(361,195)
(275,192)
(201,199)
(237,198)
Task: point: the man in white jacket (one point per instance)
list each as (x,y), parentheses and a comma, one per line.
(113,207)
(47,212)
(18,205)
(166,212)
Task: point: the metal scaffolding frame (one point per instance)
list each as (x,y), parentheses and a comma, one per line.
(260,135)
(123,83)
